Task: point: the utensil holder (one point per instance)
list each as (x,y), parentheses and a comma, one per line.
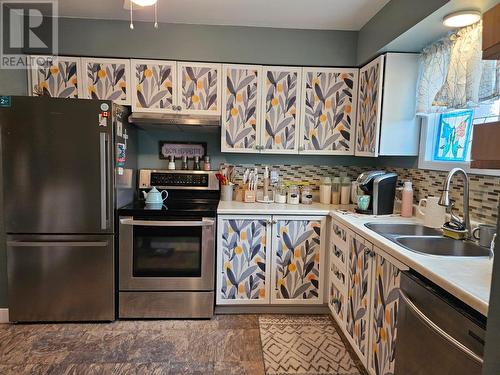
(249,196)
(226,193)
(239,194)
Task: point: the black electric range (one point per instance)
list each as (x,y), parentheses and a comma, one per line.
(167,253)
(190,194)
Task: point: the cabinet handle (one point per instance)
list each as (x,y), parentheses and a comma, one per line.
(337,253)
(367,252)
(335,301)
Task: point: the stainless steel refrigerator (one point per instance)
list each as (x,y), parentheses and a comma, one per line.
(60,174)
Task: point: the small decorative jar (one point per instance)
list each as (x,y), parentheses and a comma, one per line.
(280,193)
(293,194)
(306,196)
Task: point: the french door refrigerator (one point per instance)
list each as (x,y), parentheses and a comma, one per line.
(58,160)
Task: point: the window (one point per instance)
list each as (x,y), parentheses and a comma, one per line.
(446,137)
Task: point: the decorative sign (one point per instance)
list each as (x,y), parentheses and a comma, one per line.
(180,149)
(454,130)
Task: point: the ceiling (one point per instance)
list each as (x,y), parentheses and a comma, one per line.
(431,28)
(296,14)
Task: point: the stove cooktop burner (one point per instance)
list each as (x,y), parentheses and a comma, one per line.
(188,207)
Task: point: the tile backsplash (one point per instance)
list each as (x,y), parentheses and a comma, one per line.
(484,190)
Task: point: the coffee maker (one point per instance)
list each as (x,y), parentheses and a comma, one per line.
(381,187)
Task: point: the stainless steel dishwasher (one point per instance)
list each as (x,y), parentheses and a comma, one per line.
(437,334)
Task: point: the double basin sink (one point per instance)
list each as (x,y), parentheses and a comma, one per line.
(428,241)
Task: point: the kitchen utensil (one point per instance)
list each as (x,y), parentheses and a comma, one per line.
(154,196)
(484,234)
(434,215)
(226,193)
(363,202)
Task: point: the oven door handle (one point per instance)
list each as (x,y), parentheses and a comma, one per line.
(434,327)
(164,223)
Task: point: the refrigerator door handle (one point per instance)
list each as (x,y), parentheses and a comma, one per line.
(103,152)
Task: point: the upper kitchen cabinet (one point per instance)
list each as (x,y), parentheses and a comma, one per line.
(241,108)
(54,76)
(328,111)
(280,109)
(386,122)
(153,84)
(491,34)
(199,90)
(106,79)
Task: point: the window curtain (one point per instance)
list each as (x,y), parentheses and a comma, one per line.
(453,74)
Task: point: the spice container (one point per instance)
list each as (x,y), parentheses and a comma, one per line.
(325,190)
(306,196)
(171,163)
(206,163)
(345,190)
(280,193)
(196,165)
(336,190)
(184,163)
(293,194)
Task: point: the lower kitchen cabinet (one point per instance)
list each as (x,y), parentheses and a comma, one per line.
(364,298)
(243,255)
(265,259)
(297,260)
(359,287)
(385,307)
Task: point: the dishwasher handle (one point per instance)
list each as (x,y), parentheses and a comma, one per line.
(435,328)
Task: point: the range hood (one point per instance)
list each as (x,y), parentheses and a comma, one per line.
(168,119)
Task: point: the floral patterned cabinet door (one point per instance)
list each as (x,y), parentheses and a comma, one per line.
(241,108)
(369,108)
(153,86)
(243,260)
(54,76)
(298,254)
(107,79)
(280,109)
(328,111)
(359,288)
(199,89)
(385,305)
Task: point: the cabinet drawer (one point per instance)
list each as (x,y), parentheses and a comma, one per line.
(338,276)
(337,303)
(340,237)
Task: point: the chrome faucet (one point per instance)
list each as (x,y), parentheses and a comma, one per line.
(445,200)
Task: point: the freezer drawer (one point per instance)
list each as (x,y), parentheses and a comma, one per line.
(60,278)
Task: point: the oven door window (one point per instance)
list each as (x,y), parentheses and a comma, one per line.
(167,251)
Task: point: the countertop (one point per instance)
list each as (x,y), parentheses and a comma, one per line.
(243,208)
(467,278)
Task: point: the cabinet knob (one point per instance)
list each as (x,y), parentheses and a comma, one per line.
(335,301)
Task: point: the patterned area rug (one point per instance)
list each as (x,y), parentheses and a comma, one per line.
(306,345)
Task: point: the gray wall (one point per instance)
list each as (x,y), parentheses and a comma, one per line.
(396,17)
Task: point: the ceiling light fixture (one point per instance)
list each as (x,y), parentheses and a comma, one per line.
(144,3)
(462,18)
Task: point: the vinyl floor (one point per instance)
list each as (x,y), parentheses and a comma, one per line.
(224,345)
